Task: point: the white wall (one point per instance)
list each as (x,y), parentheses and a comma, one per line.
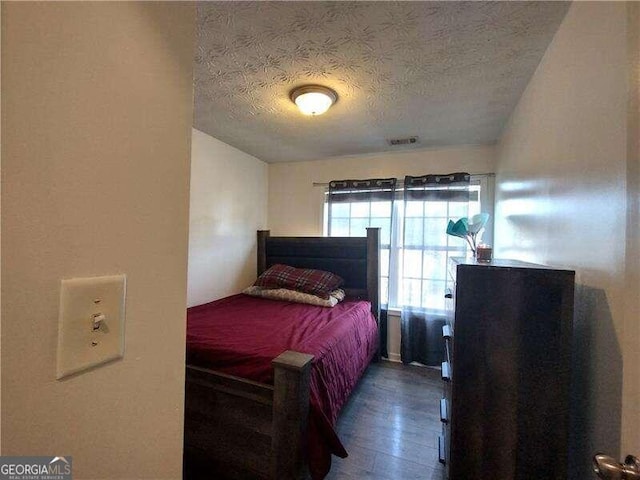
(295,205)
(228,205)
(96,119)
(562,200)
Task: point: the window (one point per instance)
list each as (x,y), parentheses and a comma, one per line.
(351,219)
(415,275)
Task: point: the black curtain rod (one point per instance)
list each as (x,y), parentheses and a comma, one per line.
(401,182)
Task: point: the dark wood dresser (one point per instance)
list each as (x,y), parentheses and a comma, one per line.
(505,409)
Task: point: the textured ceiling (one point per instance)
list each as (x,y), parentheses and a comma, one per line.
(448,72)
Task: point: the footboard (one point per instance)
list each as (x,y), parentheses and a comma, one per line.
(237,428)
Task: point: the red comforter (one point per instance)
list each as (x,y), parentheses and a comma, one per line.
(241,335)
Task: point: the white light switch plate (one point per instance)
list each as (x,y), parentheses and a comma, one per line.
(86,339)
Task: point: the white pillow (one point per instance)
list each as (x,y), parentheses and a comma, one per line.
(295,296)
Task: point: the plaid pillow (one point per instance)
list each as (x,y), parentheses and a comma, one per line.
(307,280)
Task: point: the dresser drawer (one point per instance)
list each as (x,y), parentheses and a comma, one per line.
(447,338)
(449,302)
(446,372)
(444,410)
(442,448)
(447,332)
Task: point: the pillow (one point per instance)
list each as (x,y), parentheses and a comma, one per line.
(295,296)
(306,280)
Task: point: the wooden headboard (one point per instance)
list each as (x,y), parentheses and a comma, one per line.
(355,259)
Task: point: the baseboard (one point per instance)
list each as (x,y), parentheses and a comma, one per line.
(394,357)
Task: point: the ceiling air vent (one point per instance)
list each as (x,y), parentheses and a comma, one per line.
(395,142)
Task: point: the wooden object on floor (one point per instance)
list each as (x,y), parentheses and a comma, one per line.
(290,412)
(241,427)
(236,428)
(507,372)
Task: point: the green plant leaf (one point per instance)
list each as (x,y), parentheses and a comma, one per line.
(458,229)
(477,222)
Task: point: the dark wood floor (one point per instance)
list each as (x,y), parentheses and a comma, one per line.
(390,426)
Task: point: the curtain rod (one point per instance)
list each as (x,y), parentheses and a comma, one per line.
(400,182)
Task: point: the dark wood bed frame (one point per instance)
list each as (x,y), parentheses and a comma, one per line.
(237,428)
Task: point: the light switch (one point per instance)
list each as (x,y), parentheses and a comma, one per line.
(90,322)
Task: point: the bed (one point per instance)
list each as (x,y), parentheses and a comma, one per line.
(261,400)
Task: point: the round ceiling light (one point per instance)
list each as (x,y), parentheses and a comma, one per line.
(313,99)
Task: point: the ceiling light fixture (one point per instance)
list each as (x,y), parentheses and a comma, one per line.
(313,99)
